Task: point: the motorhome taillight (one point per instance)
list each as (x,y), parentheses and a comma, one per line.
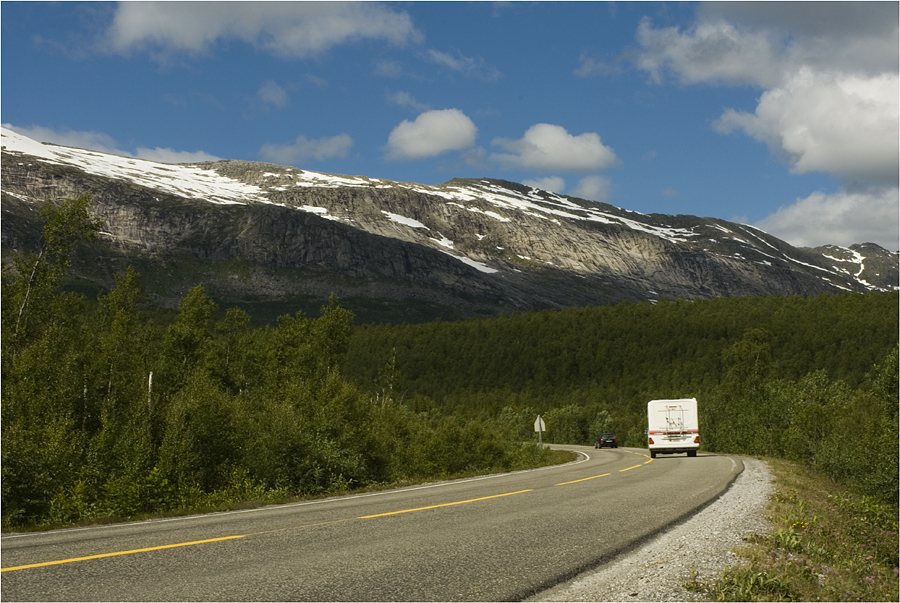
(697,440)
(651,440)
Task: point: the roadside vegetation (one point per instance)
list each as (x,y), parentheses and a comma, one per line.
(827,543)
(108,413)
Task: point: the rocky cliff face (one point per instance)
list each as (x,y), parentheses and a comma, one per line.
(467,247)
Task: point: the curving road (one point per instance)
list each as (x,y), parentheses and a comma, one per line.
(494,538)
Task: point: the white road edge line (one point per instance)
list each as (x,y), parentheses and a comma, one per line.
(585,456)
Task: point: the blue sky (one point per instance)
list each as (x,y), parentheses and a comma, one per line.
(781,115)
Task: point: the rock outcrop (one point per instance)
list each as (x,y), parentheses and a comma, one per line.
(468,247)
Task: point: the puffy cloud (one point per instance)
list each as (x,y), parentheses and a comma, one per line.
(550,148)
(272,94)
(286,29)
(710,52)
(844,36)
(303,149)
(763,43)
(846,125)
(832,19)
(842,218)
(594,188)
(432,133)
(829,74)
(554,184)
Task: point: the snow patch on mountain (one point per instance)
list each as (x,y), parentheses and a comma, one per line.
(183,180)
(404,220)
(505,203)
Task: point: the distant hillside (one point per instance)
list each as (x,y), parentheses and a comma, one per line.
(618,355)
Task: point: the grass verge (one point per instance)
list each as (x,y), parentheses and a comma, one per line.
(244,493)
(827,543)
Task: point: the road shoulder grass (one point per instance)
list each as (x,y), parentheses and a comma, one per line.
(827,543)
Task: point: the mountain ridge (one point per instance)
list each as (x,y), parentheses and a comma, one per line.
(467,247)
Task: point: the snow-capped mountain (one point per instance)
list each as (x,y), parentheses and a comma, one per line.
(479,246)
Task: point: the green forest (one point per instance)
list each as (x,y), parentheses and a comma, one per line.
(112,408)
(808,379)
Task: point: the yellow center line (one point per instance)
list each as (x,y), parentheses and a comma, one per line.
(131,552)
(459,502)
(582,480)
(180,544)
(195,542)
(627,468)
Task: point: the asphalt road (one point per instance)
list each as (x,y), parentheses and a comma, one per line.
(495,538)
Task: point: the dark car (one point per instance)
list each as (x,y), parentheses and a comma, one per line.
(606,440)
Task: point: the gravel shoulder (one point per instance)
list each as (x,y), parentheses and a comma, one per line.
(654,571)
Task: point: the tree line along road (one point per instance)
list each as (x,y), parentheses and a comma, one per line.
(491,538)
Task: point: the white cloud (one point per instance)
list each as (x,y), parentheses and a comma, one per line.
(303,149)
(554,184)
(762,43)
(272,94)
(842,218)
(846,125)
(594,188)
(844,36)
(103,143)
(432,133)
(829,74)
(405,99)
(170,156)
(285,29)
(830,102)
(471,66)
(709,52)
(589,66)
(551,148)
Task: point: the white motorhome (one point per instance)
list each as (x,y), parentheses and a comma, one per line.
(673,427)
